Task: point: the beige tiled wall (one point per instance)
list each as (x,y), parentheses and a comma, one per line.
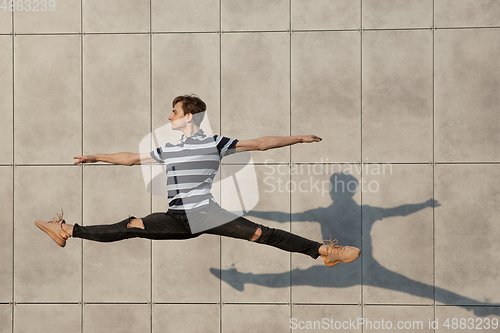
(411,85)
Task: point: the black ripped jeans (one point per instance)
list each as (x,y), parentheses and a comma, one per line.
(175,226)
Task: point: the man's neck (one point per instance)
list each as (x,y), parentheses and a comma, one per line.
(188,131)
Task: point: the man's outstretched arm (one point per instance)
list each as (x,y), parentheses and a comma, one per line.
(270,142)
(118,158)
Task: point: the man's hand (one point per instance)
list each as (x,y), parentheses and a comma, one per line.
(310,138)
(86,159)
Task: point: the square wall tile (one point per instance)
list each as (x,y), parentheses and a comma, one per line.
(116,92)
(397,14)
(255,15)
(5,22)
(326,14)
(253,272)
(471,319)
(116,15)
(468,215)
(174,318)
(47,99)
(42,318)
(326,205)
(467,82)
(40,194)
(47,16)
(114,193)
(106,318)
(256,89)
(6,99)
(400,318)
(260,318)
(185,64)
(168,15)
(118,271)
(398,234)
(179,276)
(322,103)
(6,236)
(466,13)
(321,318)
(397,96)
(5,318)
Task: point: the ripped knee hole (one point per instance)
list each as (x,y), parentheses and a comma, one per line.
(258,232)
(136,223)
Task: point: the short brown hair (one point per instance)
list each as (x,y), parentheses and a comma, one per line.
(192,104)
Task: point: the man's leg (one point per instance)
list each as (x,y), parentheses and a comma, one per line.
(107,232)
(242,228)
(322,251)
(135,223)
(153,226)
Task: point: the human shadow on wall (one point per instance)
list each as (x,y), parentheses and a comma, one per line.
(343,220)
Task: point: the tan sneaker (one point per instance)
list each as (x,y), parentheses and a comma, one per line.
(337,253)
(54,229)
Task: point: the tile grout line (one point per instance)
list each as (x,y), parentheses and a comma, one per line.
(275,303)
(81,165)
(13,174)
(282,163)
(433,161)
(150,149)
(220,131)
(361,154)
(290,289)
(254,31)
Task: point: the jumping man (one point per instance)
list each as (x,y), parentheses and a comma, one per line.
(189,192)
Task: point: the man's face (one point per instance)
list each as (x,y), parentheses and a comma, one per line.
(177,117)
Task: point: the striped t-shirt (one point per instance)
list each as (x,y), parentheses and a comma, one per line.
(191,166)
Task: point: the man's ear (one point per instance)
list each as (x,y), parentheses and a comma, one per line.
(189,117)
